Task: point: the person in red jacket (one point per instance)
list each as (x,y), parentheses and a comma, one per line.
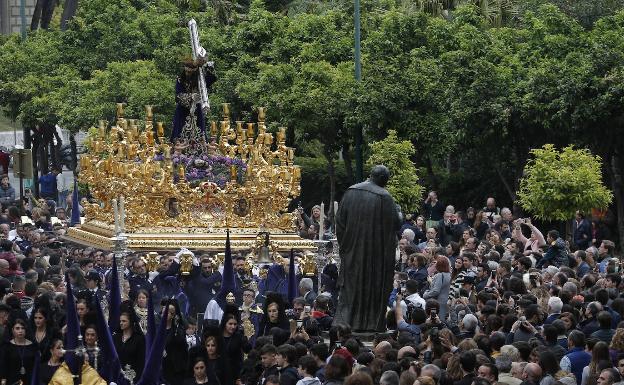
(5,158)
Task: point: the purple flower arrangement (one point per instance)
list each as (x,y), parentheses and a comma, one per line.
(207,168)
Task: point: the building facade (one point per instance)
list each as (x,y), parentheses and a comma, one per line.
(10,18)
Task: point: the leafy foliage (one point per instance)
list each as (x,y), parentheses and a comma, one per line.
(473,88)
(403,184)
(557,183)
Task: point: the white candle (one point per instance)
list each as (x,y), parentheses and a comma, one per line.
(322,221)
(122,215)
(116,216)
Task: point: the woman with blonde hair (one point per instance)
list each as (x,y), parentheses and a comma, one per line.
(359,378)
(542,295)
(616,348)
(447,334)
(424,381)
(453,368)
(467,344)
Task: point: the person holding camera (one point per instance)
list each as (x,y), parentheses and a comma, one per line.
(527,326)
(415,317)
(410,299)
(433,208)
(531,244)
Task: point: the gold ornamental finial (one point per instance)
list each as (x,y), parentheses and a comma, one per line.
(250,130)
(103,124)
(281,134)
(120,110)
(233,173)
(226,111)
(149,114)
(261,114)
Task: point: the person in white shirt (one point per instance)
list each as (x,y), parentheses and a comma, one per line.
(412,297)
(62,186)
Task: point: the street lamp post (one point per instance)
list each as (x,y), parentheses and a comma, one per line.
(23,18)
(358,77)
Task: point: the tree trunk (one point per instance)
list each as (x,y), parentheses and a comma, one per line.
(53,155)
(432,176)
(44,159)
(57,159)
(521,158)
(290,136)
(348,161)
(47,146)
(331,172)
(74,154)
(359,155)
(508,188)
(68,12)
(47,13)
(34,140)
(36,17)
(618,191)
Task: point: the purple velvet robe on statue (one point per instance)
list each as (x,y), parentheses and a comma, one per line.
(187,95)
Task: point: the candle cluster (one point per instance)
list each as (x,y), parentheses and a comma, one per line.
(250,169)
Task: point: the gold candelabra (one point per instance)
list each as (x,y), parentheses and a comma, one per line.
(138,165)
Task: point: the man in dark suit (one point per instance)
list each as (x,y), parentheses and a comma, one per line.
(582,234)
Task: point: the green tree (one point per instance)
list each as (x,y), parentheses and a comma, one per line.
(557,183)
(403,184)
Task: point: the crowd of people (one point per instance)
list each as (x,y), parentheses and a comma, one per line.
(480,298)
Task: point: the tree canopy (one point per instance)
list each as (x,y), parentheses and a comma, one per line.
(474,91)
(557,183)
(403,183)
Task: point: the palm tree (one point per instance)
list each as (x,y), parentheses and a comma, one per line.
(498,13)
(42,15)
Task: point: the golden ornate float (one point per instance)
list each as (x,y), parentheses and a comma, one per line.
(144,192)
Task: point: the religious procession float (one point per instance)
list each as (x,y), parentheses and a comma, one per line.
(164,193)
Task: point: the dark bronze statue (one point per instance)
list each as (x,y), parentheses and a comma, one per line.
(367,223)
